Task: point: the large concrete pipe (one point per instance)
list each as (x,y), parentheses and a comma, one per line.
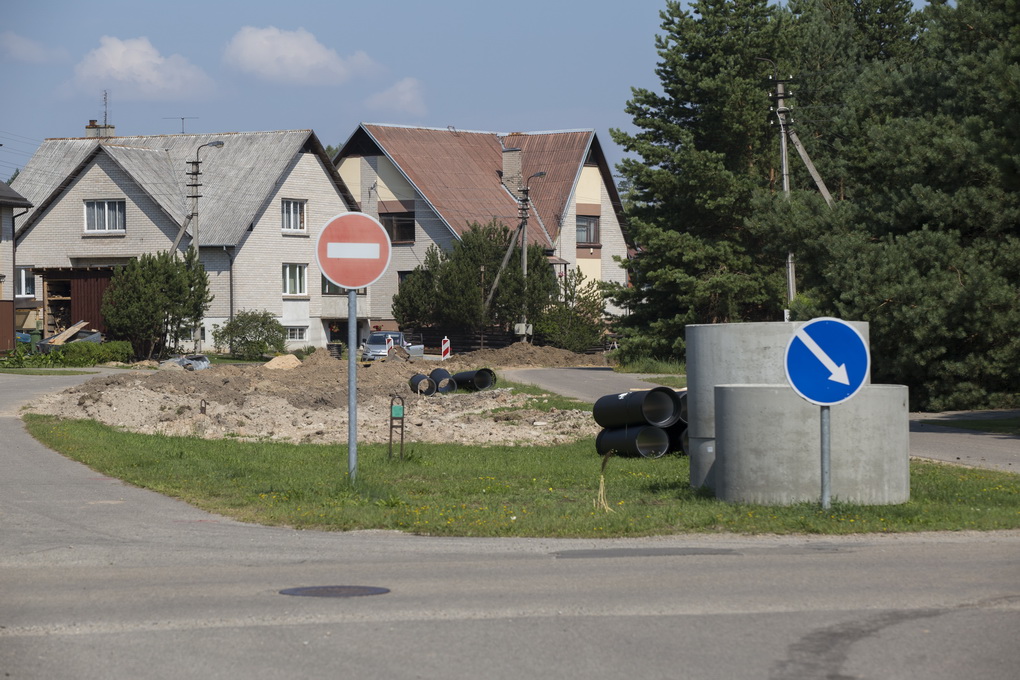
(768,446)
(639,440)
(728,354)
(482,379)
(659,406)
(443,380)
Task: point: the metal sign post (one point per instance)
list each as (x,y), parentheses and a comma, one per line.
(352,384)
(353,251)
(827,362)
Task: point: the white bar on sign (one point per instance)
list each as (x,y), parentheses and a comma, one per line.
(353,251)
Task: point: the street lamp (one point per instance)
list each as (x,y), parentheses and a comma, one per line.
(195,184)
(523,208)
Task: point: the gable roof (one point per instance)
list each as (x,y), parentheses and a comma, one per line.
(237,178)
(459,172)
(10,197)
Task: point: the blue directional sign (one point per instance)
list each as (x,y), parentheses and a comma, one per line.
(827,361)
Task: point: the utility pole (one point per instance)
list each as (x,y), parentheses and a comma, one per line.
(786,132)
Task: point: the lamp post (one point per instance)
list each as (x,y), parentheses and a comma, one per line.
(195,184)
(525,199)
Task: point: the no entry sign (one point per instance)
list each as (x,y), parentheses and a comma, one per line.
(353,250)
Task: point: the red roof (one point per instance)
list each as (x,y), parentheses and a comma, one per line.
(459,172)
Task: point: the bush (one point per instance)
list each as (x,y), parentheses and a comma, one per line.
(92,353)
(251,334)
(74,355)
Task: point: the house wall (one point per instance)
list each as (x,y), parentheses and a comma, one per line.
(595,263)
(6,253)
(58,238)
(258,262)
(374,179)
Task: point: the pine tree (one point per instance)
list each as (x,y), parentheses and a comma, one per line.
(927,246)
(705,149)
(155,300)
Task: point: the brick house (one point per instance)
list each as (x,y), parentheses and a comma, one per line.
(427,185)
(254,201)
(10,202)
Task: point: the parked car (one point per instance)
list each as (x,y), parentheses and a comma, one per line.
(377,347)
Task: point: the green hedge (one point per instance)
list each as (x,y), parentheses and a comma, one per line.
(75,354)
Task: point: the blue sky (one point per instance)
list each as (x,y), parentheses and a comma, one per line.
(239,66)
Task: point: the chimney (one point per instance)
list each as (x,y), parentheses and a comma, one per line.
(94,129)
(513,177)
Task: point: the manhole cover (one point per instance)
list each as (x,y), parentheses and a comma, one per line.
(334,591)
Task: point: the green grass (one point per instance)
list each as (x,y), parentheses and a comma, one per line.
(669,380)
(649,365)
(998,425)
(543,400)
(498,491)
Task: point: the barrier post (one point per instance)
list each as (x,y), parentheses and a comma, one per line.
(446,348)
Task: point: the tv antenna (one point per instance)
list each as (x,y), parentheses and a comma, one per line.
(182,119)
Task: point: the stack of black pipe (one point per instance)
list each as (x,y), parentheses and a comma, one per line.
(440,380)
(648,423)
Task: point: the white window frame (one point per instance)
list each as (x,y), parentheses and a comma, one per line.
(292,211)
(23,280)
(297,333)
(100,219)
(295,279)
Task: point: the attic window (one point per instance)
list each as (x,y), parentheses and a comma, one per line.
(293,215)
(400,226)
(104,217)
(587,230)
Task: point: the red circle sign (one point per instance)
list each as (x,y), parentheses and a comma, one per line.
(353,250)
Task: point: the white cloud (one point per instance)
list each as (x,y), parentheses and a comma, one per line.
(292,57)
(406,96)
(24,49)
(135,69)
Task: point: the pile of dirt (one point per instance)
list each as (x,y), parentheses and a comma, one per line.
(306,401)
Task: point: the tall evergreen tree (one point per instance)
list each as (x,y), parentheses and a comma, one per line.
(927,246)
(704,148)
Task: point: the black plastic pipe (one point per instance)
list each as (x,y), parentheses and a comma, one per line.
(443,380)
(482,379)
(641,440)
(422,384)
(659,406)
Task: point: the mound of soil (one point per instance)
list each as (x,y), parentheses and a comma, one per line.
(306,401)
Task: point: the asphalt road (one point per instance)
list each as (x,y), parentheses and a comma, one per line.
(102,580)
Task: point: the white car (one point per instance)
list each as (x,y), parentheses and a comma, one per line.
(377,346)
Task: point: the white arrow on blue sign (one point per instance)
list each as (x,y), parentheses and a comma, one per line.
(827,361)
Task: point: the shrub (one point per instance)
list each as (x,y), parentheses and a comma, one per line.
(251,334)
(74,354)
(91,353)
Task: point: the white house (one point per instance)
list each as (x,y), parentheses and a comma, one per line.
(10,202)
(254,202)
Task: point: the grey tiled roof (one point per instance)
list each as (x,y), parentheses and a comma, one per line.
(9,196)
(237,178)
